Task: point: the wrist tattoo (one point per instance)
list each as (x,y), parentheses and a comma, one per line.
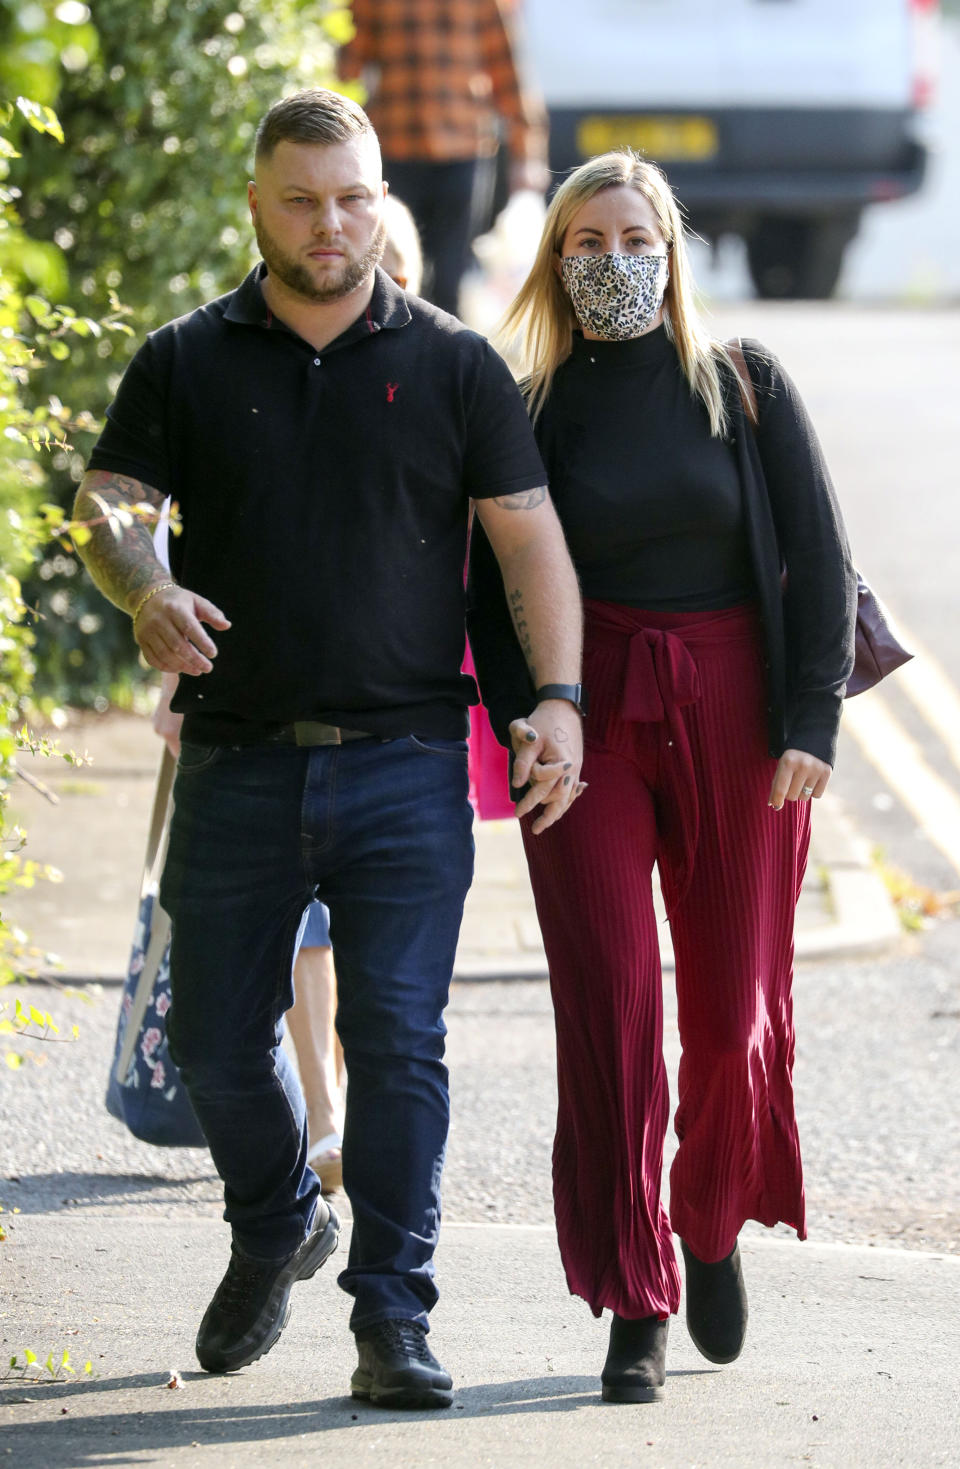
(522,630)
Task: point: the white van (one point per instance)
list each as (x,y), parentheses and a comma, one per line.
(776,120)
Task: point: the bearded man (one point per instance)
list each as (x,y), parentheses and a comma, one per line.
(324,436)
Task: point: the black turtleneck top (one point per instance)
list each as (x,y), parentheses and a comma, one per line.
(660,515)
(651,504)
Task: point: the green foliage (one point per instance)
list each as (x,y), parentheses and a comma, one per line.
(25,1367)
(159,101)
(29,1024)
(30,330)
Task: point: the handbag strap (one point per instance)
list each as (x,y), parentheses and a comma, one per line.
(159,919)
(142,995)
(748,392)
(159,822)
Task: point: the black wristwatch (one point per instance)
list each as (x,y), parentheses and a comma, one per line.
(574,693)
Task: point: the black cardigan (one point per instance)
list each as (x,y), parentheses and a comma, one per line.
(805,581)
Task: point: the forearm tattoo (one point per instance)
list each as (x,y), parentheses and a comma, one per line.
(515,598)
(526,500)
(120,558)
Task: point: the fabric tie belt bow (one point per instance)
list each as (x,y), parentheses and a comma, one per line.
(658,678)
(660,675)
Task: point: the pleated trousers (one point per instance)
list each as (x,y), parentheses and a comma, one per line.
(679,775)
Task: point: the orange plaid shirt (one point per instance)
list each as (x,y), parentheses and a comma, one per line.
(439,72)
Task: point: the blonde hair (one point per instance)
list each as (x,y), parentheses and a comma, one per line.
(541,313)
(402,254)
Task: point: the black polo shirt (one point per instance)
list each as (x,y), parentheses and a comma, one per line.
(324,498)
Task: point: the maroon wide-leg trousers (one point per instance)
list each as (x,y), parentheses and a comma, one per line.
(679,774)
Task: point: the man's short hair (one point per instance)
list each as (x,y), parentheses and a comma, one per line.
(313,116)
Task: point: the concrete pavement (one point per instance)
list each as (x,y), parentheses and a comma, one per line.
(837,1370)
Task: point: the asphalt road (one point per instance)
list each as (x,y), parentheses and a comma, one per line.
(878,1097)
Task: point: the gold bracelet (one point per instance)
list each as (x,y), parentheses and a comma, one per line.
(162,586)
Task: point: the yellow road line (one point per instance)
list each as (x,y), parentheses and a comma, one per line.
(927,685)
(899,759)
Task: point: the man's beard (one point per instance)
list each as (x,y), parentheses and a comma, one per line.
(297,277)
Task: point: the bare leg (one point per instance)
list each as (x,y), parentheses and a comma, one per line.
(319,1054)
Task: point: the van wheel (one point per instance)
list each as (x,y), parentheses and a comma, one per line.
(796,259)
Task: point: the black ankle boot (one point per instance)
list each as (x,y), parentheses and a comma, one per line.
(634,1370)
(716,1305)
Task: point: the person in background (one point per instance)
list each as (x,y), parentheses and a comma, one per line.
(442,81)
(715,699)
(311,1017)
(402,250)
(325,436)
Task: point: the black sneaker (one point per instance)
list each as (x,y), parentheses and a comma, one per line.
(398,1370)
(251,1305)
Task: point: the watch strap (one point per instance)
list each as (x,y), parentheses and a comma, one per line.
(574,693)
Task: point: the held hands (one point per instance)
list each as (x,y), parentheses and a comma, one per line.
(169,633)
(798,777)
(548,751)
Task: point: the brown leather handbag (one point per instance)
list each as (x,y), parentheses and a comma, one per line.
(877,650)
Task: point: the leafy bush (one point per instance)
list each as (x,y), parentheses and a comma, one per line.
(29,327)
(159,101)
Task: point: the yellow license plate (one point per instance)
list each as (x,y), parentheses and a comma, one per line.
(664,139)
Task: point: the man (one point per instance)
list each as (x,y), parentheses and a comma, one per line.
(323,436)
(443,81)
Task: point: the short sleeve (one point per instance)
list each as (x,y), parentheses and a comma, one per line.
(133,439)
(501,455)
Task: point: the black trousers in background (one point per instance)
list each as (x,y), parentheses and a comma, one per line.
(451,204)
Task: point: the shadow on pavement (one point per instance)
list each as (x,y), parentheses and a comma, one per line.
(39,1193)
(176,1425)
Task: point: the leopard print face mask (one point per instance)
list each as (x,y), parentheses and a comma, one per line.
(615,296)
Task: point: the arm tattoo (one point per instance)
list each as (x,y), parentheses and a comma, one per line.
(120,558)
(515,599)
(526,500)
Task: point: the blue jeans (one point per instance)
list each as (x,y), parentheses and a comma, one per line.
(381,832)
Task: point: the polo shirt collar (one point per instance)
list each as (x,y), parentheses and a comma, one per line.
(387,308)
(388,304)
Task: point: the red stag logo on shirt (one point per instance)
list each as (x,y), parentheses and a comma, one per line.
(391,390)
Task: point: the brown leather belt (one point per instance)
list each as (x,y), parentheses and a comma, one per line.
(310,732)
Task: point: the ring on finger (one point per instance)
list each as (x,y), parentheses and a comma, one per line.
(807,791)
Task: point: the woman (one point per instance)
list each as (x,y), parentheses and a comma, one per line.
(715,692)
